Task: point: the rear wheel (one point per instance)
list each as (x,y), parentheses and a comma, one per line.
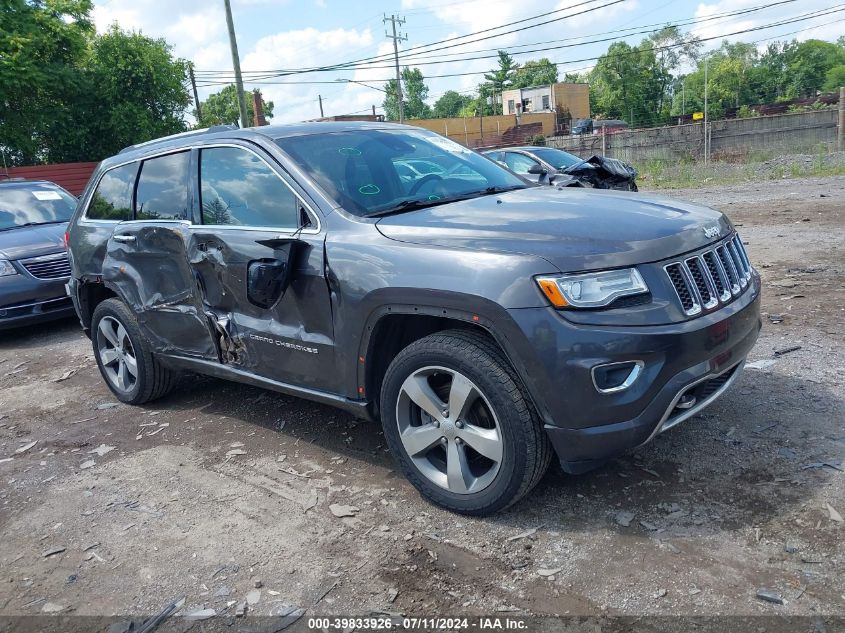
(463,431)
(123,355)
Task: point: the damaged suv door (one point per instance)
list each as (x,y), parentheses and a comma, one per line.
(221,260)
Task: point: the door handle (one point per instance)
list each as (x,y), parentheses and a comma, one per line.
(124,238)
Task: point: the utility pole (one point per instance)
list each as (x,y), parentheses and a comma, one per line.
(840,135)
(706,152)
(194,86)
(236,62)
(320,99)
(397,37)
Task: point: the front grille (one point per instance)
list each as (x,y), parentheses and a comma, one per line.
(48,267)
(712,278)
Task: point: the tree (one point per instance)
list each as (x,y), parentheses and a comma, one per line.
(42,51)
(672,49)
(540,72)
(450,104)
(498,80)
(834,79)
(626,84)
(808,63)
(221,108)
(67,94)
(141,89)
(414,94)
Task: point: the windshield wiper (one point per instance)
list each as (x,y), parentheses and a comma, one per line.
(20,226)
(412,205)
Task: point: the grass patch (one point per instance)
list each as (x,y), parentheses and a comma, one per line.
(689,175)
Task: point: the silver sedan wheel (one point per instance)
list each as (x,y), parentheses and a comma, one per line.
(117,355)
(449,430)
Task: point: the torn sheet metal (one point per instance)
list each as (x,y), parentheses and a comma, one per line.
(603,172)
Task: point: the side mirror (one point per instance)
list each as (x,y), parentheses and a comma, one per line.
(536,170)
(266,281)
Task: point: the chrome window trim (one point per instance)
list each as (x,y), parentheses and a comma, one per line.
(84,219)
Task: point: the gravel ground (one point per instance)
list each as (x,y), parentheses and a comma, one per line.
(116,510)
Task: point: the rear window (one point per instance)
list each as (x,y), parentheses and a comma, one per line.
(112,200)
(163,188)
(28,204)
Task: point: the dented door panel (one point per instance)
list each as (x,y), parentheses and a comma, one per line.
(290,341)
(148,264)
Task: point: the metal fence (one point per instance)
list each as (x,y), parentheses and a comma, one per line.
(729,139)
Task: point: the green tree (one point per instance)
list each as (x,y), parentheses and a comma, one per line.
(221,108)
(498,80)
(540,72)
(672,49)
(834,79)
(42,51)
(450,104)
(808,63)
(414,94)
(626,83)
(141,89)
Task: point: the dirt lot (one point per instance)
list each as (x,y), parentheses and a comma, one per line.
(143,505)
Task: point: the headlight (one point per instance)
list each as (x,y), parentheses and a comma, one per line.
(591,290)
(6,268)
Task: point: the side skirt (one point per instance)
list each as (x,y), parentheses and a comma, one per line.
(358,408)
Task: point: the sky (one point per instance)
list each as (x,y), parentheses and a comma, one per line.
(295,34)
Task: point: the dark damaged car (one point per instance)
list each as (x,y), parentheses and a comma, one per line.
(487,322)
(552,166)
(33,264)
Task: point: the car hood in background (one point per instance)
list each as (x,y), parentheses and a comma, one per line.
(574,229)
(32,241)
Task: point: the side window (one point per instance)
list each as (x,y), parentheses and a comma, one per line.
(163,188)
(519,162)
(238,188)
(112,200)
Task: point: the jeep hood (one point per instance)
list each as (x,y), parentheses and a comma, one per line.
(574,229)
(32,241)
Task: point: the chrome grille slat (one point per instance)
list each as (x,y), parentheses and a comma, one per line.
(48,267)
(714,277)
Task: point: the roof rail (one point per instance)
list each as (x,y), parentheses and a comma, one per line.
(205,130)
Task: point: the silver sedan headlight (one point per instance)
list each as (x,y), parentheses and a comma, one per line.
(6,268)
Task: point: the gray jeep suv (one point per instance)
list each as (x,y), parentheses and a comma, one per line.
(484,320)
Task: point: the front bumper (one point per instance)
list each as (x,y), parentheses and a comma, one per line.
(25,299)
(698,358)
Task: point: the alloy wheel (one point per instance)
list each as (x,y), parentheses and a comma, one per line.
(117,356)
(449,430)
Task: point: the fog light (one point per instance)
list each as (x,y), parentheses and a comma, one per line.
(616,377)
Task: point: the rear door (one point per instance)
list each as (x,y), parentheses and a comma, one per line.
(257,247)
(146,257)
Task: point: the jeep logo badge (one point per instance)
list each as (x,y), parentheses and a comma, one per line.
(712,231)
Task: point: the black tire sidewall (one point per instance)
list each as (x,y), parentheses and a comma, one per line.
(512,470)
(117,310)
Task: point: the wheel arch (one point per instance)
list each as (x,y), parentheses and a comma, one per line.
(393,327)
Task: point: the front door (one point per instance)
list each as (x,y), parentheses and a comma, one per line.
(257,250)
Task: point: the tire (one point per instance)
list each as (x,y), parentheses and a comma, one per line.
(118,347)
(497,418)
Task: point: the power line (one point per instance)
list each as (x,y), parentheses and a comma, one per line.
(381,58)
(415,61)
(795,19)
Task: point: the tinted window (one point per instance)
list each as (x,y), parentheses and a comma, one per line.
(163,188)
(557,157)
(376,170)
(519,162)
(25,204)
(237,187)
(112,199)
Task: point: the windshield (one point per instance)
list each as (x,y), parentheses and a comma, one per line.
(557,158)
(27,204)
(375,171)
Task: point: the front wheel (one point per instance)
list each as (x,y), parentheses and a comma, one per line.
(456,418)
